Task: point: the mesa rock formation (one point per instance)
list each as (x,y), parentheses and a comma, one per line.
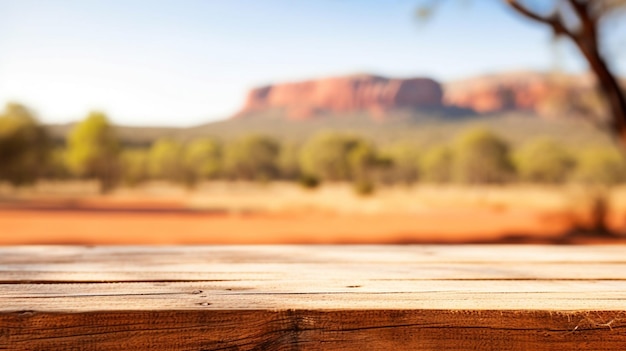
(337,95)
(542,94)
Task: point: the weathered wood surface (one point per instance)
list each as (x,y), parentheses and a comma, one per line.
(313,298)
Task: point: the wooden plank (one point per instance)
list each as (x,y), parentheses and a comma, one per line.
(473,295)
(41,273)
(404,271)
(312,330)
(313,298)
(164,255)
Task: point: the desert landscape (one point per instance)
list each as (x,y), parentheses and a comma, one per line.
(353,159)
(252,213)
(312,175)
(375,140)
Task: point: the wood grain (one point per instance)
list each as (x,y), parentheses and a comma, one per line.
(313,298)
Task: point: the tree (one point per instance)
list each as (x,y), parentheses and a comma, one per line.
(252,157)
(327,156)
(544,161)
(56,166)
(23,146)
(93,150)
(342,157)
(405,163)
(364,162)
(288,161)
(580,22)
(134,166)
(201,160)
(600,169)
(481,157)
(602,166)
(436,165)
(165,160)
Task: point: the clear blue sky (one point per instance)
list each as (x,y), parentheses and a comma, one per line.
(186,62)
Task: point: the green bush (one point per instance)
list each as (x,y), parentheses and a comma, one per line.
(134,166)
(165,160)
(325,156)
(404,163)
(93,150)
(363,160)
(436,165)
(363,187)
(308,181)
(253,157)
(201,160)
(56,166)
(543,161)
(334,156)
(603,166)
(288,161)
(481,157)
(23,146)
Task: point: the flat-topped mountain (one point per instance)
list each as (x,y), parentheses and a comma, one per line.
(541,94)
(513,104)
(337,95)
(517,91)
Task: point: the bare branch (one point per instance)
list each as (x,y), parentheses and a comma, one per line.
(586,40)
(589,24)
(553,21)
(526,12)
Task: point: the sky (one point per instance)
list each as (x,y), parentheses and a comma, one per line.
(188,62)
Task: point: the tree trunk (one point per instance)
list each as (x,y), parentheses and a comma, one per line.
(586,39)
(611,89)
(599,214)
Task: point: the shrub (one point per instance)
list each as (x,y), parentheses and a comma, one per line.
(602,166)
(93,150)
(335,156)
(134,166)
(253,157)
(436,165)
(165,160)
(544,161)
(325,156)
(201,160)
(23,146)
(404,163)
(481,157)
(308,181)
(363,187)
(288,163)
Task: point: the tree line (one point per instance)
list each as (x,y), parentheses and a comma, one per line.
(93,150)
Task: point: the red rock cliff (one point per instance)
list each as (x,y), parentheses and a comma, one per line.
(546,95)
(303,100)
(526,91)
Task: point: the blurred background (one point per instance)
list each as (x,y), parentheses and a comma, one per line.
(327,121)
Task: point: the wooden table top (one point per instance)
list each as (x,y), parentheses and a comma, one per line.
(313,297)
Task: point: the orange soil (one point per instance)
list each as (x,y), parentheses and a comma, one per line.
(104,224)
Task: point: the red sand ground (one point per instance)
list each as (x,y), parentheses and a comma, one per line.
(167,225)
(169,220)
